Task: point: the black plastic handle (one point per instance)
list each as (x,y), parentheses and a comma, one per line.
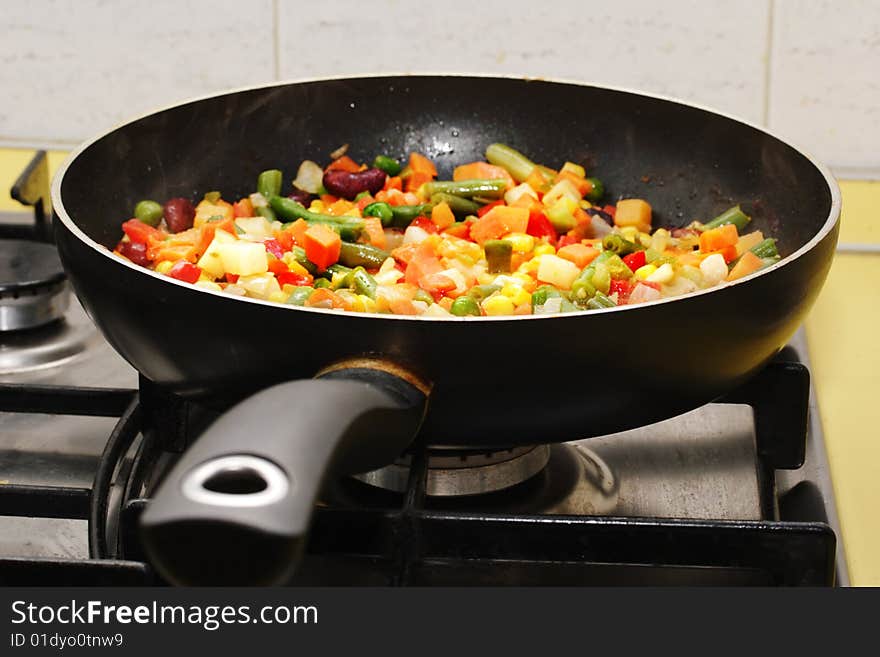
(236,507)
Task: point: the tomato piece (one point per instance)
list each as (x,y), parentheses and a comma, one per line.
(539,226)
(285,239)
(610,210)
(243,208)
(425,224)
(565,240)
(623,288)
(185,271)
(635,260)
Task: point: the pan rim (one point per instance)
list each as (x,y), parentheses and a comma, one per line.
(60,211)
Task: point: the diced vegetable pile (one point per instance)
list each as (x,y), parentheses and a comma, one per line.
(503,237)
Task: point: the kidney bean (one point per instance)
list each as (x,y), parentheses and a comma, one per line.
(300,196)
(179,214)
(134,251)
(348,185)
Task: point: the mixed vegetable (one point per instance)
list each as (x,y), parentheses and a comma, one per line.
(505,236)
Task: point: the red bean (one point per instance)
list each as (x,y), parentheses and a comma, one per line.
(134,251)
(179,214)
(300,197)
(349,184)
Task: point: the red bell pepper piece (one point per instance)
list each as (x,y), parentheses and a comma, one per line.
(231,278)
(138,231)
(293,278)
(483,210)
(425,224)
(623,288)
(635,260)
(185,271)
(539,226)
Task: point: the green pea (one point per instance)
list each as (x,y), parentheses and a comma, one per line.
(388,164)
(149,212)
(381,210)
(464,306)
(597,192)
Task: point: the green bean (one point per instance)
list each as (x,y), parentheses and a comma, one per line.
(600,300)
(362,255)
(269,183)
(480,292)
(388,164)
(733,216)
(498,255)
(349,228)
(765,249)
(423,296)
(149,212)
(517,165)
(363,283)
(491,188)
(299,254)
(541,294)
(300,295)
(381,210)
(464,306)
(321,282)
(617,243)
(597,191)
(267,212)
(404,214)
(457,204)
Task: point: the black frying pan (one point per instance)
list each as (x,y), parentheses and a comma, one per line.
(250,481)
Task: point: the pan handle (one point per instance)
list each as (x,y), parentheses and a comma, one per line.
(236,507)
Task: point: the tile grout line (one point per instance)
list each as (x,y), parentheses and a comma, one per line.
(768,64)
(276,41)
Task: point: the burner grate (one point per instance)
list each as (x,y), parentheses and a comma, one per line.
(413,543)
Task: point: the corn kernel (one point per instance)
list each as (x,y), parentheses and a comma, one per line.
(369,304)
(164,267)
(645,271)
(576,169)
(498,304)
(516,294)
(520,242)
(296,268)
(317,206)
(277,297)
(585,204)
(209,285)
(664,274)
(205,278)
(544,249)
(486,278)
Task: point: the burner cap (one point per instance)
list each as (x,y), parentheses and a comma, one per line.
(33,286)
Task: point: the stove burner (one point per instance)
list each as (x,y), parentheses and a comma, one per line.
(459,472)
(33,286)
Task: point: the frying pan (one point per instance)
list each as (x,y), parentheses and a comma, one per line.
(318,392)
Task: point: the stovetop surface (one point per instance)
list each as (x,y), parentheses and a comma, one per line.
(701,465)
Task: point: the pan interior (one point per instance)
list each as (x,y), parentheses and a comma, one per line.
(687,162)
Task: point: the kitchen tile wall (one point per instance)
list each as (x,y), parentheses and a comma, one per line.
(806,68)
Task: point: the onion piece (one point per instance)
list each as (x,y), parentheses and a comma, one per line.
(309,177)
(599,226)
(339,152)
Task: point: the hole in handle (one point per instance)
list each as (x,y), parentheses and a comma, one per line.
(238,480)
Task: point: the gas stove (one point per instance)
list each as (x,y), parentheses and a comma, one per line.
(734,493)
